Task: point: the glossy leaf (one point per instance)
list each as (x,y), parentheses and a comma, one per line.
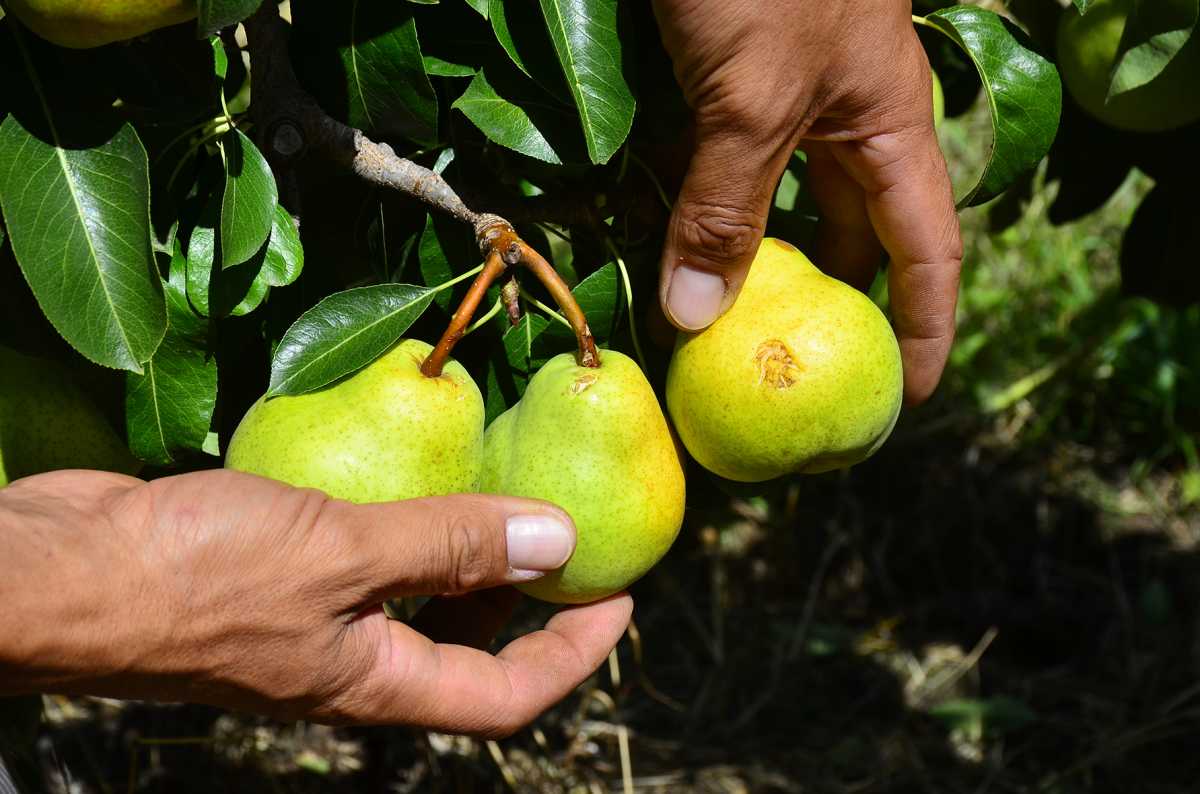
(79,219)
(382,87)
(343,333)
(589,51)
(217,291)
(436,67)
(285,254)
(480,6)
(169,408)
(1023,92)
(447,249)
(1155,32)
(212,15)
(521,31)
(504,122)
(522,344)
(598,296)
(249,201)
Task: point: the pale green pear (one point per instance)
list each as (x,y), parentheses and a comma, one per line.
(801,375)
(47,422)
(595,442)
(386,432)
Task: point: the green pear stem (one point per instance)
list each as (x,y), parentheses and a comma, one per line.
(432,366)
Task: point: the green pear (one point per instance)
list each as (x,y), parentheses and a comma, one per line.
(595,442)
(47,422)
(801,375)
(386,432)
(90,23)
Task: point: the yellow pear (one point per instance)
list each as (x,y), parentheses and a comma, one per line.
(47,422)
(595,442)
(801,375)
(386,432)
(80,24)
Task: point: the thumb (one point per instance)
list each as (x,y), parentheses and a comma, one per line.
(717,224)
(454,544)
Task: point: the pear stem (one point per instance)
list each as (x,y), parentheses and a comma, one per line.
(432,366)
(587,356)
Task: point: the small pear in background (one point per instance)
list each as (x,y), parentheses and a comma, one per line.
(386,432)
(801,375)
(595,442)
(47,422)
(81,24)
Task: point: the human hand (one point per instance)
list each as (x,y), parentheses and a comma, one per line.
(229,589)
(850,84)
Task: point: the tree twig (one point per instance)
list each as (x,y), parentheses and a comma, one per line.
(292,124)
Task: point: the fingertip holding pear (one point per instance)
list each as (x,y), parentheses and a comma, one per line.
(387,432)
(595,442)
(801,375)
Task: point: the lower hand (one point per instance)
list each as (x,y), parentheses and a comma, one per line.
(228,589)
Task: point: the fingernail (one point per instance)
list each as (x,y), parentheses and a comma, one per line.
(694,297)
(537,543)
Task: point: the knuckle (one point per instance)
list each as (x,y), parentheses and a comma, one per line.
(723,235)
(470,554)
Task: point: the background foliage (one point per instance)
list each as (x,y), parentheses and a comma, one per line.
(1001,599)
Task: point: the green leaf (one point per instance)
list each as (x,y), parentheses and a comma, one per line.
(521,344)
(79,219)
(521,30)
(382,84)
(479,5)
(1154,34)
(589,51)
(342,333)
(1082,6)
(217,291)
(437,67)
(504,122)
(169,408)
(992,716)
(249,201)
(598,296)
(285,254)
(446,250)
(1023,92)
(212,15)
(220,59)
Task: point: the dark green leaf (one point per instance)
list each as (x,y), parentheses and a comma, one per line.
(216,291)
(598,296)
(504,122)
(589,51)
(169,408)
(249,201)
(285,254)
(220,59)
(1155,32)
(446,250)
(1082,6)
(992,716)
(79,219)
(479,5)
(521,344)
(439,68)
(521,30)
(342,333)
(212,15)
(382,87)
(1022,89)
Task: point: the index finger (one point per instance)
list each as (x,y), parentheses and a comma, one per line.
(458,689)
(911,206)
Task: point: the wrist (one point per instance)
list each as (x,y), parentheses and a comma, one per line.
(66,624)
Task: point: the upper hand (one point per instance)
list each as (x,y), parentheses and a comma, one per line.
(850,84)
(234,590)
